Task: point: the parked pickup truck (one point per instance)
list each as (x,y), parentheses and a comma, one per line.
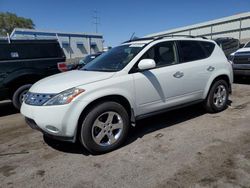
(23,62)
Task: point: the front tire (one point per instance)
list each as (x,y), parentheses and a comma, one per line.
(18,95)
(104,128)
(217,98)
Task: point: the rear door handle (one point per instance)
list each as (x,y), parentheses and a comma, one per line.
(178,74)
(210,69)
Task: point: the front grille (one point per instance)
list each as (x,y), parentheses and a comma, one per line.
(243,53)
(37,99)
(241,59)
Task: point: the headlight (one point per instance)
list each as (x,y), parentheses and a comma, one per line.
(64,97)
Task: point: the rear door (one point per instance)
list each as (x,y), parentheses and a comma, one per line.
(196,68)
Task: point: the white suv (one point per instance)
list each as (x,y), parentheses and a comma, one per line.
(137,79)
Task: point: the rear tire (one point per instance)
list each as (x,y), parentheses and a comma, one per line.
(104,128)
(18,95)
(217,98)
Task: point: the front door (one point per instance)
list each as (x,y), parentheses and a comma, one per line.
(153,87)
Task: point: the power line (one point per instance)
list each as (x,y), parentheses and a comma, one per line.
(96,20)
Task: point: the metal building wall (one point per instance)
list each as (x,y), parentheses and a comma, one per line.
(237,26)
(74,45)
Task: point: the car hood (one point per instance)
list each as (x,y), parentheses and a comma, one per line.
(241,50)
(63,81)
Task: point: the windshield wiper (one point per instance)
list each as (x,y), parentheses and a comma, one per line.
(100,70)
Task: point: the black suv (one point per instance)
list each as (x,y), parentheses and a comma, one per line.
(228,45)
(23,62)
(241,61)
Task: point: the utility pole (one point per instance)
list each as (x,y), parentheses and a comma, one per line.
(96,20)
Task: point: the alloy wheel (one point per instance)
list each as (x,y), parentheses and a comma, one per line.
(220,96)
(107,128)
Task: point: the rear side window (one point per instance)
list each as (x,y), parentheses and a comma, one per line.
(208,46)
(191,51)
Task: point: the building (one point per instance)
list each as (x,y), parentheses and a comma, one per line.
(75,45)
(236,26)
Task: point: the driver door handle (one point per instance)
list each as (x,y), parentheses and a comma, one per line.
(178,74)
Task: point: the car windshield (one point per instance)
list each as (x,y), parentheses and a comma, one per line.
(247,45)
(88,59)
(115,59)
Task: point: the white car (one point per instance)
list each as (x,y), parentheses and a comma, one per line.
(135,80)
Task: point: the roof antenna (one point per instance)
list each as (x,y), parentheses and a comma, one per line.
(132,36)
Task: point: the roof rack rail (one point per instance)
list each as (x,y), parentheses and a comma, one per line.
(163,36)
(172,35)
(139,39)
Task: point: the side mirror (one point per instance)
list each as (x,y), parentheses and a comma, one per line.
(146,64)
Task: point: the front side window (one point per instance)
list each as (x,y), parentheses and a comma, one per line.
(164,54)
(115,59)
(191,51)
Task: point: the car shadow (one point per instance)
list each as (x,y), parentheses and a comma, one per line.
(142,128)
(67,147)
(242,80)
(7,108)
(161,121)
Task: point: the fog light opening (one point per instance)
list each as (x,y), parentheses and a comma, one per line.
(52,129)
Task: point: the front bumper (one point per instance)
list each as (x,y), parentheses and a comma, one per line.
(238,72)
(33,125)
(59,122)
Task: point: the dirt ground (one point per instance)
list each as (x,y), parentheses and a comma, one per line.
(182,148)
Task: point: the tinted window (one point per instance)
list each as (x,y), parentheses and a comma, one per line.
(29,51)
(164,54)
(191,51)
(208,46)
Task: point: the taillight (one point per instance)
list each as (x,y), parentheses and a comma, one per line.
(62,67)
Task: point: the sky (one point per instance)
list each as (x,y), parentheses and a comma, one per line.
(120,19)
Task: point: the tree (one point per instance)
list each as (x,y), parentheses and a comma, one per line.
(9,21)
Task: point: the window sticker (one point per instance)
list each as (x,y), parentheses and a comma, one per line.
(136,45)
(14,54)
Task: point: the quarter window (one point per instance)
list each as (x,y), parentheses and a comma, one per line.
(208,46)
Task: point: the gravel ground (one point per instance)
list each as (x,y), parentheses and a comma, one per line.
(182,148)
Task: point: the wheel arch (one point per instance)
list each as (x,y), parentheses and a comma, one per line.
(115,98)
(20,80)
(214,79)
